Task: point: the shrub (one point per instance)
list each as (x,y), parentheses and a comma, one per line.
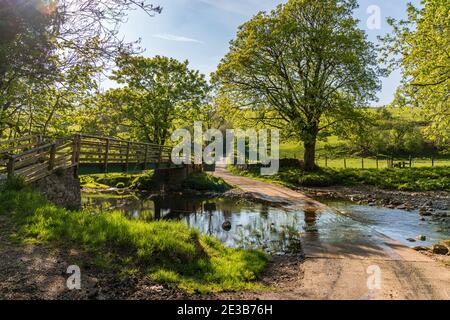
(205,182)
(14,183)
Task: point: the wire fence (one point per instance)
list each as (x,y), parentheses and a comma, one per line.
(380,162)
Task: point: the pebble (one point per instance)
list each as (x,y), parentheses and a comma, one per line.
(421,238)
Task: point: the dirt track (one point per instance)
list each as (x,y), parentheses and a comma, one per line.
(340,253)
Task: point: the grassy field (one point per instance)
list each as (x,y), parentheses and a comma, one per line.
(295,150)
(168,252)
(406,179)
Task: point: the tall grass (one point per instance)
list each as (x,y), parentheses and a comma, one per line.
(169,252)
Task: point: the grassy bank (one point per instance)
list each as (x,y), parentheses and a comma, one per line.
(168,252)
(407,179)
(117,180)
(205,182)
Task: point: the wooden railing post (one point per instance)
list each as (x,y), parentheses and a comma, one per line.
(105,168)
(146,157)
(51,163)
(160,154)
(76,151)
(128,157)
(38,140)
(10,167)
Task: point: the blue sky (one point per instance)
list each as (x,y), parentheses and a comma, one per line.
(200,30)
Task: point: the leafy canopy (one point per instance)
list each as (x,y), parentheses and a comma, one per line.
(306,60)
(158,92)
(421,47)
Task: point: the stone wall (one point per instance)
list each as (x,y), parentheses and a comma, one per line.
(61,188)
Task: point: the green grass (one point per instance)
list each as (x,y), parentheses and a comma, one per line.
(117,180)
(205,182)
(407,179)
(168,252)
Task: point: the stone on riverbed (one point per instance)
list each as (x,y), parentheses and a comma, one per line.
(421,238)
(439,249)
(421,248)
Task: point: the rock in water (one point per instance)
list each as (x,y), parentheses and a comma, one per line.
(226,226)
(421,238)
(439,249)
(421,248)
(411,240)
(424,212)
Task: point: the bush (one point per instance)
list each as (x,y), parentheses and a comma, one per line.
(144,181)
(14,183)
(205,182)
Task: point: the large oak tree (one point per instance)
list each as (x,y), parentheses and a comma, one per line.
(308,61)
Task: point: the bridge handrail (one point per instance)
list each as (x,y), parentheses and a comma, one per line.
(37,149)
(37,159)
(124,141)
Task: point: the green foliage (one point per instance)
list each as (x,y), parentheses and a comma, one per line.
(408,179)
(144,181)
(169,252)
(141,181)
(422,42)
(159,92)
(304,63)
(205,182)
(14,183)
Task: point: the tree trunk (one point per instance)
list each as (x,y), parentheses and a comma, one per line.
(310,155)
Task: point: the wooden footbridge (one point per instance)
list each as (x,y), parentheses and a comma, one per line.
(36,157)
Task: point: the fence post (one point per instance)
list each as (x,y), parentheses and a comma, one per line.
(76,150)
(362,163)
(11,166)
(51,163)
(345,163)
(38,140)
(378,166)
(105,167)
(146,157)
(326,162)
(410,161)
(432,161)
(128,156)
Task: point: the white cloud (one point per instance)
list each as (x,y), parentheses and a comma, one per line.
(172,37)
